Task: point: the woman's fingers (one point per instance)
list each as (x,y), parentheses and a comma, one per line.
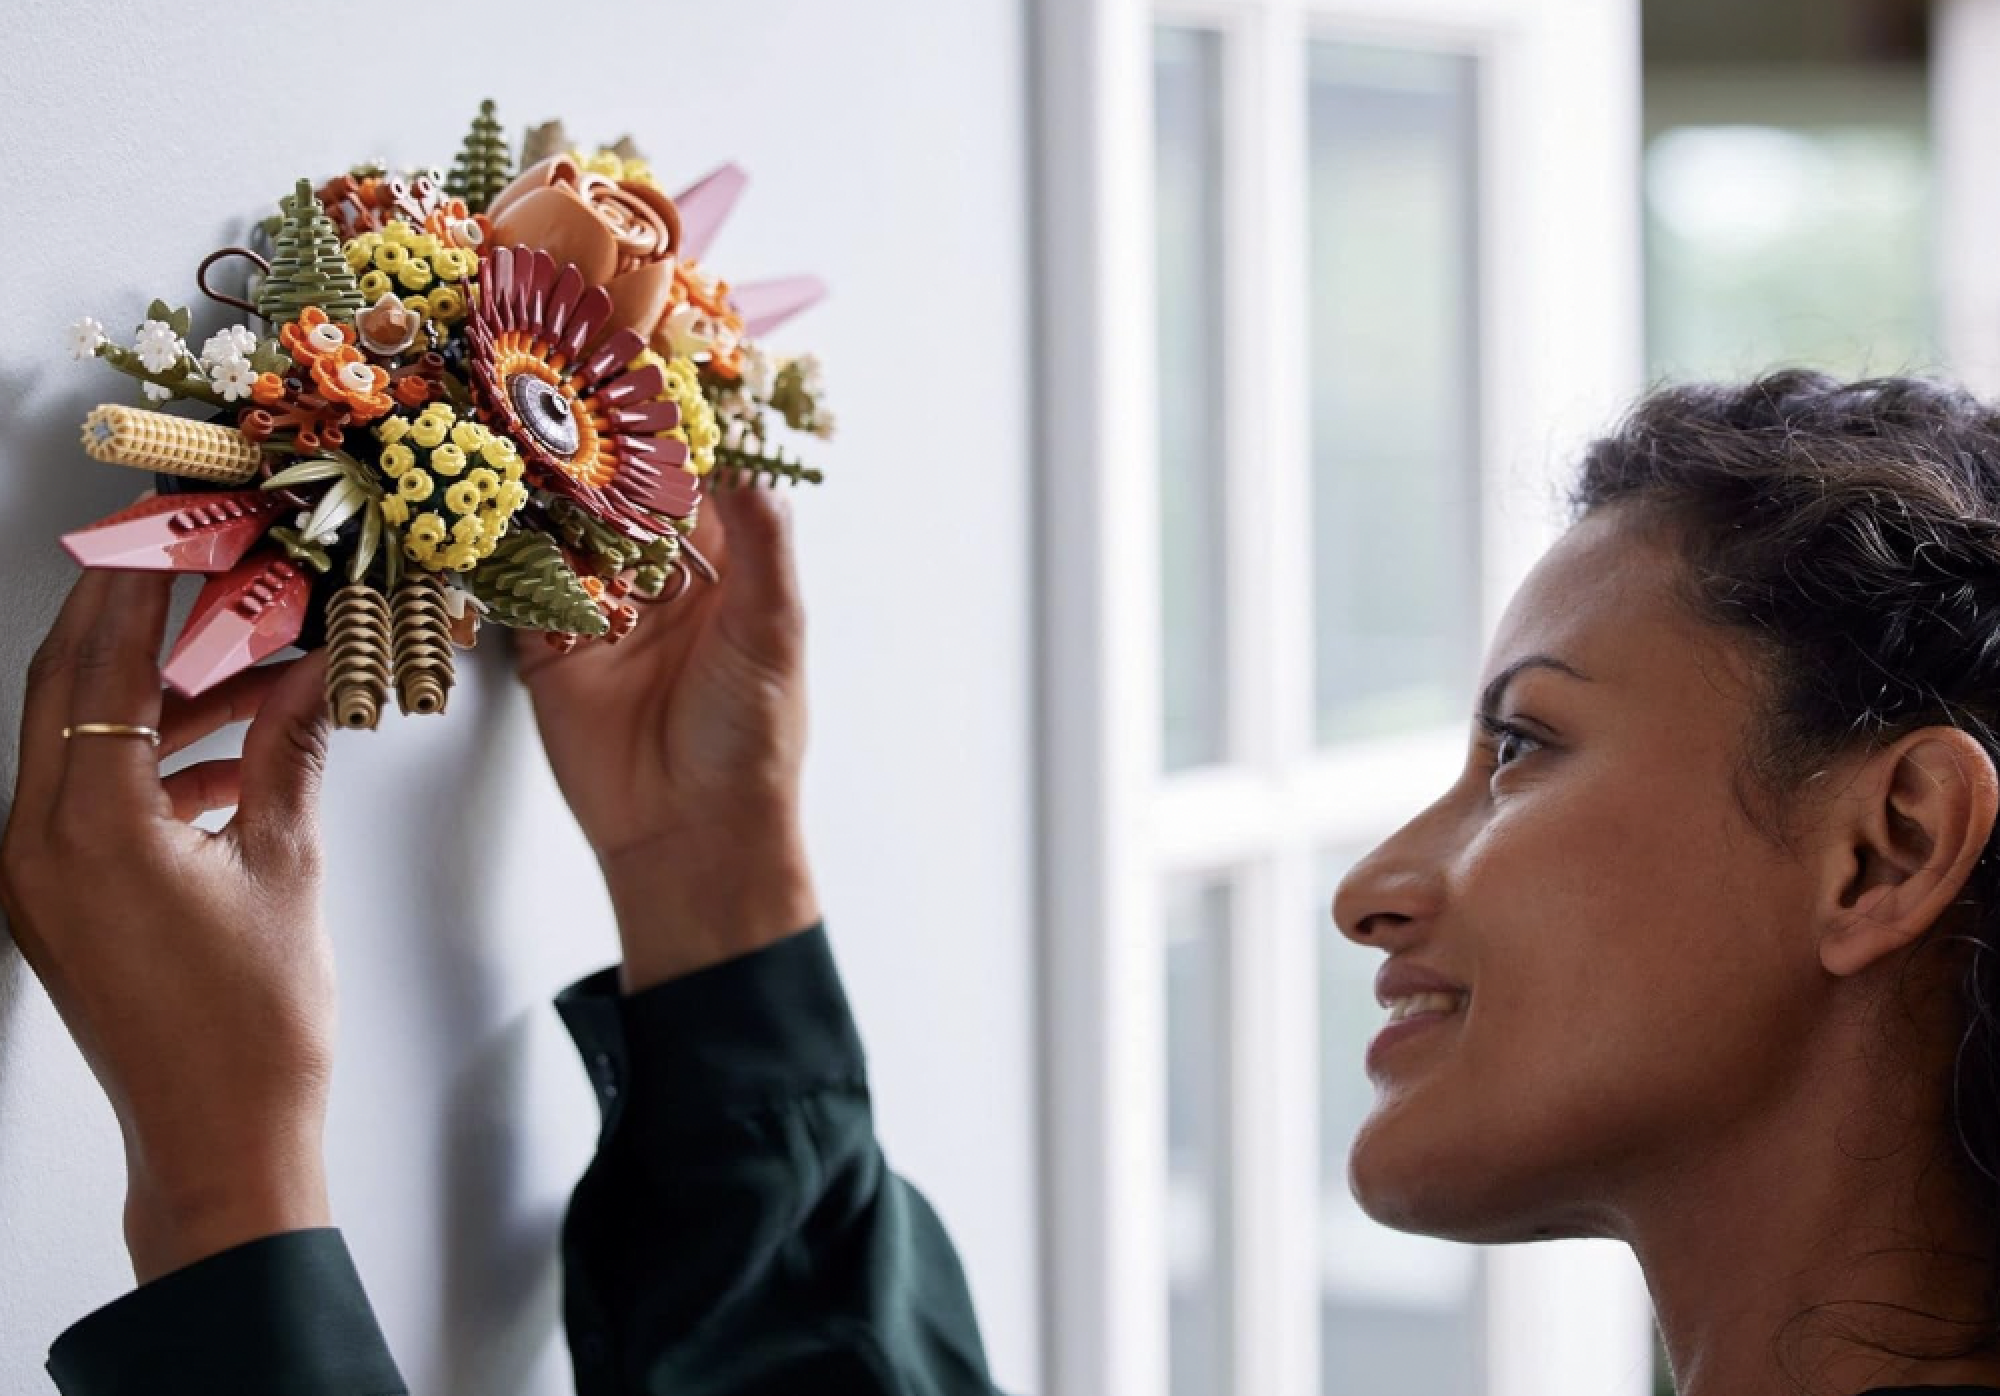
(45,703)
(760,601)
(284,760)
(116,678)
(204,786)
(185,721)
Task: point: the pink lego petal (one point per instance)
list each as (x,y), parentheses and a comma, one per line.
(541,280)
(496,280)
(618,350)
(197,531)
(663,450)
(765,305)
(593,308)
(645,418)
(562,301)
(705,207)
(633,387)
(246,614)
(674,493)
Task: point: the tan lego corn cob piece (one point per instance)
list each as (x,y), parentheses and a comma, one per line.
(147,440)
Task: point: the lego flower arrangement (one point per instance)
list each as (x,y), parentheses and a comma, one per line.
(495,394)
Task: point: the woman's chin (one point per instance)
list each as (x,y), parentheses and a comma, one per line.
(1408,1177)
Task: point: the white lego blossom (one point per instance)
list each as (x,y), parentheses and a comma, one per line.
(155,393)
(457,599)
(229,342)
(759,372)
(84,338)
(232,376)
(689,331)
(159,348)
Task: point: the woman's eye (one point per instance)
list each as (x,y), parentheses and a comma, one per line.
(1510,743)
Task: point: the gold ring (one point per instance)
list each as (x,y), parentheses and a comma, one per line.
(113,729)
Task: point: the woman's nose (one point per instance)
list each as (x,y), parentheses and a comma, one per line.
(1394,889)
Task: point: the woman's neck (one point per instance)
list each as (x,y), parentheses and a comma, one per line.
(1778,1264)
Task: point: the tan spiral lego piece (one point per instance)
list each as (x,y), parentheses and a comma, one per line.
(357,655)
(421,636)
(147,440)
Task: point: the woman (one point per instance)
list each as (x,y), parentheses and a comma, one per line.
(1698,951)
(1693,953)
(1701,944)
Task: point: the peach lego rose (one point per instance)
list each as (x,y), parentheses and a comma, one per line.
(621,234)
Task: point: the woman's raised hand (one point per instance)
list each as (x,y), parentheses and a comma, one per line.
(192,968)
(679,751)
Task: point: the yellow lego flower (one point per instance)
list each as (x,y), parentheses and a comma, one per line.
(374,285)
(416,486)
(469,437)
(498,451)
(415,274)
(422,245)
(395,510)
(512,496)
(419,306)
(452,263)
(487,482)
(391,256)
(461,498)
(397,458)
(429,432)
(427,528)
(392,429)
(447,303)
(461,557)
(447,459)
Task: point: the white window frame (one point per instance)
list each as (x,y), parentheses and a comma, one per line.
(1560,353)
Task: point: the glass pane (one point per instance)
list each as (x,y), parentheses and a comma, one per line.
(1187,92)
(1804,245)
(1197,975)
(1395,387)
(1397,1312)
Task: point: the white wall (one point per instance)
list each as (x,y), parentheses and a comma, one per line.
(885,143)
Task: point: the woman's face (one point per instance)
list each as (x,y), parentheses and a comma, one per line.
(1634,958)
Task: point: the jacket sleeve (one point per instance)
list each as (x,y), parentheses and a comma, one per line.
(284,1313)
(738,1233)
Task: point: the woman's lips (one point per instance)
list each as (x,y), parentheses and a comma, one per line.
(1412,1016)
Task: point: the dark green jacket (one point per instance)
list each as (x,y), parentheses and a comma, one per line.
(737,1231)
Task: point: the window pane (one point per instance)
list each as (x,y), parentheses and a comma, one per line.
(1395,386)
(1197,975)
(1397,1312)
(1188,247)
(1793,244)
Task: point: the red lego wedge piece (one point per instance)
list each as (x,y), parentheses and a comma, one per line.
(242,616)
(205,531)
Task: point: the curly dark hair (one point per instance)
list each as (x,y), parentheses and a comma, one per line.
(1850,532)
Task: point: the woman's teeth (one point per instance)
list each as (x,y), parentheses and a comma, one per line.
(1402,1008)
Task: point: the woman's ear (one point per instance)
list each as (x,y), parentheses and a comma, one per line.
(1904,838)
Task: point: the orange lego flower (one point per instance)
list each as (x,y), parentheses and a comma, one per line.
(313,337)
(348,379)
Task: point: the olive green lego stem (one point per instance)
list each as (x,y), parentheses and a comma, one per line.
(739,467)
(184,379)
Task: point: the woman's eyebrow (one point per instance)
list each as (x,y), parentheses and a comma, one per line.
(1489,699)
